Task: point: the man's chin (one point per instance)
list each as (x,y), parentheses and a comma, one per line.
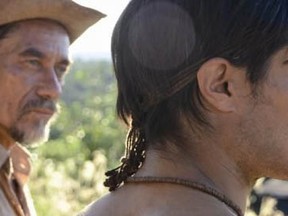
(35,140)
(31,137)
(32,132)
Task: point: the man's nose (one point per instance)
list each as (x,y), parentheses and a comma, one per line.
(50,86)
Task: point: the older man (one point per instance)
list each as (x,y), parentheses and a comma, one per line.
(203,86)
(34,41)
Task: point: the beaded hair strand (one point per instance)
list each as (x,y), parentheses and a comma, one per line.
(133,160)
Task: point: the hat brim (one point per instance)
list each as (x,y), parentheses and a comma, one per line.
(74,17)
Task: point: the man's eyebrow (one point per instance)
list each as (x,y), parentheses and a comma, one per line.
(36,53)
(32,52)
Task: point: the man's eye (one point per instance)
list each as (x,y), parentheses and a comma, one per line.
(60,72)
(34,62)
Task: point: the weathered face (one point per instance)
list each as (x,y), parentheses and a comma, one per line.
(265,124)
(33,60)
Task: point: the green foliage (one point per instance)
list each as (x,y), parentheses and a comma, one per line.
(69,169)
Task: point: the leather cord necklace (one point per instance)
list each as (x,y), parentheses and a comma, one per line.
(191,184)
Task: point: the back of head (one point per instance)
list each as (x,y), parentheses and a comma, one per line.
(158,47)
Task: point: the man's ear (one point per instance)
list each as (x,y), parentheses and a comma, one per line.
(219,82)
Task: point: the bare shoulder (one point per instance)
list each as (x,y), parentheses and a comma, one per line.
(105,206)
(114,203)
(156,201)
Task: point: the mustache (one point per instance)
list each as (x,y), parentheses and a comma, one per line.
(40,104)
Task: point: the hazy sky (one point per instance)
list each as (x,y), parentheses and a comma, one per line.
(95,42)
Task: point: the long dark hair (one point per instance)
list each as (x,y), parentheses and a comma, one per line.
(157,48)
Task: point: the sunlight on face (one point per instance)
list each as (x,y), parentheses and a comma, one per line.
(34,61)
(38,132)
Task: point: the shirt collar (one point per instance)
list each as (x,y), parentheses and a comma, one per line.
(19,156)
(21,163)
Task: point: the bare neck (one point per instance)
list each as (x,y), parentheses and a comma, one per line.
(206,164)
(5,139)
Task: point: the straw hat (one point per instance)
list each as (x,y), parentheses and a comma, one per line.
(74,17)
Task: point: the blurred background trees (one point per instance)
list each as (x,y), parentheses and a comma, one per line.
(68,171)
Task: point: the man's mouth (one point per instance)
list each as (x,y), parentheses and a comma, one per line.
(40,107)
(41,111)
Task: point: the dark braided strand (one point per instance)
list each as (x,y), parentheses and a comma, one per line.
(133,160)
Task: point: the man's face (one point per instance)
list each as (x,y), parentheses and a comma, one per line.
(33,60)
(264,124)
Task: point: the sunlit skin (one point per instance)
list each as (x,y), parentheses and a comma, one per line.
(264,126)
(33,61)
